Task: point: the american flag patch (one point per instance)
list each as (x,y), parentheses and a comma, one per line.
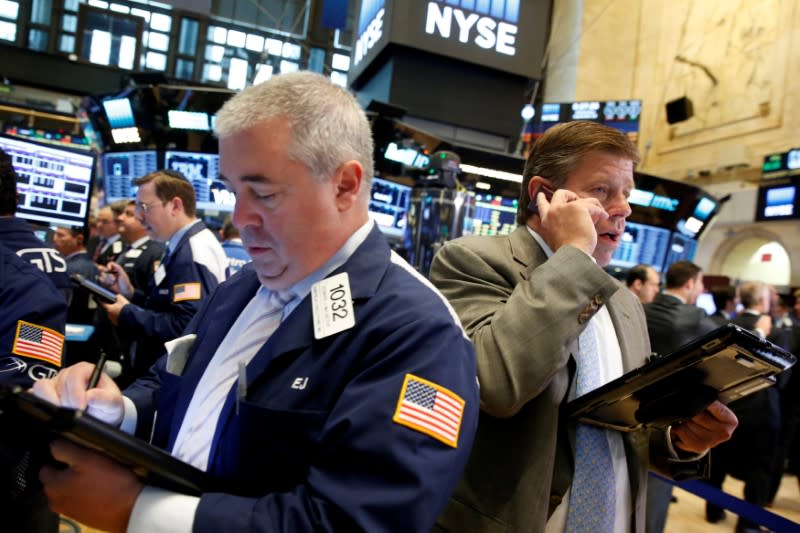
(38,342)
(430,408)
(186,291)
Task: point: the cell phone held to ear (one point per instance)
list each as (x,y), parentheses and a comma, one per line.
(548,194)
(97,290)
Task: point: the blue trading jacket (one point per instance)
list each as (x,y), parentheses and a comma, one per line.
(327,455)
(26,294)
(161,315)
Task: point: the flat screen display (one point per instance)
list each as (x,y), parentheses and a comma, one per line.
(681,248)
(54,184)
(622,115)
(642,244)
(202,170)
(491,215)
(120,169)
(779,201)
(119,112)
(388,206)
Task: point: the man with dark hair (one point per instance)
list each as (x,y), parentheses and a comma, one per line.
(725,299)
(549,324)
(643,281)
(234,249)
(109,244)
(673,319)
(17,235)
(70,243)
(143,254)
(192,268)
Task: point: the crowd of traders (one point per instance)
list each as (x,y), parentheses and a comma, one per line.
(327,385)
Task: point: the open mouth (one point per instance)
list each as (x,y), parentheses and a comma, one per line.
(611,235)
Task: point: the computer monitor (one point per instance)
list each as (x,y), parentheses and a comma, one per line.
(491,215)
(120,169)
(681,248)
(54,184)
(705,301)
(202,170)
(779,201)
(388,206)
(641,243)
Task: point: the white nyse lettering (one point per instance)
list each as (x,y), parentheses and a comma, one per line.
(506,38)
(438,19)
(371,35)
(464,24)
(489,34)
(485,38)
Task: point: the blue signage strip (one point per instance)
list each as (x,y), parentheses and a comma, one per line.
(369,8)
(334,14)
(507,10)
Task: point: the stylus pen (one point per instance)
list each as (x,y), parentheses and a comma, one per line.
(98,368)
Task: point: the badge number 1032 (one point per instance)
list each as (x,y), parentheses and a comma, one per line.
(332,306)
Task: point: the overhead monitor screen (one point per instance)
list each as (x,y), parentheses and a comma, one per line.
(120,169)
(641,243)
(388,206)
(119,113)
(681,248)
(622,115)
(54,185)
(778,202)
(491,215)
(202,170)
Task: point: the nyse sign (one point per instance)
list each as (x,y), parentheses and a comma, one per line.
(372,34)
(482,31)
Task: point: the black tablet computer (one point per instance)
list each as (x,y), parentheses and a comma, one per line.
(725,364)
(38,419)
(94,288)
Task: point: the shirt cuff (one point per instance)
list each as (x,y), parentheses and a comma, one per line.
(129,417)
(161,511)
(681,457)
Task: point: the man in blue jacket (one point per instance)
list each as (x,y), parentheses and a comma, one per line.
(31,347)
(328,383)
(192,268)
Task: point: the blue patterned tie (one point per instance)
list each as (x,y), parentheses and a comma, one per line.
(592,499)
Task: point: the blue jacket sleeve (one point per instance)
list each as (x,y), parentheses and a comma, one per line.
(27,295)
(167,315)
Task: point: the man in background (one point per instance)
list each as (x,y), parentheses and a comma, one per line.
(192,268)
(109,244)
(538,305)
(643,281)
(143,254)
(70,243)
(234,249)
(319,423)
(750,454)
(726,298)
(673,319)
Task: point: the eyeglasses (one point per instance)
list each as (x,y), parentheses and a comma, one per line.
(145,208)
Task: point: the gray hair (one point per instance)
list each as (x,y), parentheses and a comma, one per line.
(327,125)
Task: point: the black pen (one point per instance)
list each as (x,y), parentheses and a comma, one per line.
(98,368)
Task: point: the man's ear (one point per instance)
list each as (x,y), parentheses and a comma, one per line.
(348,180)
(534,185)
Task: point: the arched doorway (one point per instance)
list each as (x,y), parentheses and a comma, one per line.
(754,255)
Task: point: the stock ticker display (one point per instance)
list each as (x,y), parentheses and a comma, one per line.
(120,169)
(54,184)
(491,215)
